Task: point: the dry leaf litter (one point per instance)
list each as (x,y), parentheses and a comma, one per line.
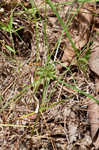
(65,125)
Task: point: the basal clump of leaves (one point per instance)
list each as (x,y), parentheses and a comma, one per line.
(43,76)
(47,72)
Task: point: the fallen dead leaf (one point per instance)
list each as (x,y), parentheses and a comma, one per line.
(94,62)
(79,31)
(94,57)
(93,111)
(93,107)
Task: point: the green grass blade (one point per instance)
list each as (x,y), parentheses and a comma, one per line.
(77,90)
(63,25)
(10,49)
